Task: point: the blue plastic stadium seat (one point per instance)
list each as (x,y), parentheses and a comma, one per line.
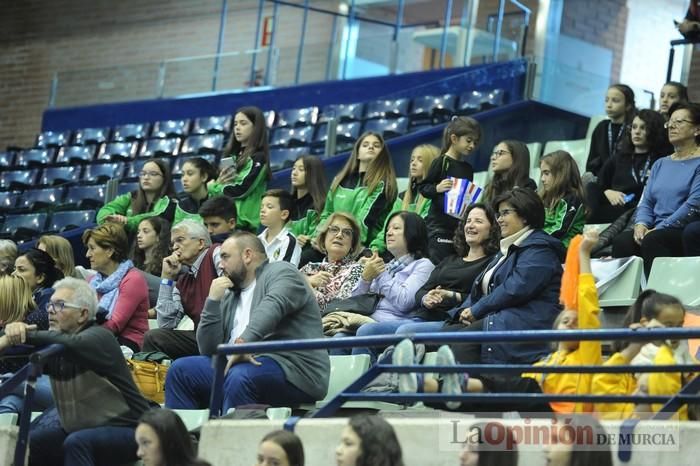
(212,124)
(102,172)
(40,198)
(297,117)
(134,167)
(160,147)
(269,118)
(18,179)
(343,113)
(7,158)
(60,175)
(284,158)
(292,137)
(395,108)
(170,128)
(432,109)
(118,151)
(127,187)
(492,99)
(8,200)
(90,136)
(177,164)
(52,139)
(22,227)
(76,154)
(35,157)
(203,144)
(470,102)
(347,132)
(67,220)
(84,197)
(130,132)
(389,128)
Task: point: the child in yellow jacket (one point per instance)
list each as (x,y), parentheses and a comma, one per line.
(651,309)
(581,312)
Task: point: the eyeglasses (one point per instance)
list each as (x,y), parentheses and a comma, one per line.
(55,307)
(498,153)
(504,212)
(180,240)
(675,123)
(149,174)
(347,232)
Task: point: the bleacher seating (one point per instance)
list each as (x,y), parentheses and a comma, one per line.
(84,197)
(51,176)
(21,227)
(177,164)
(284,158)
(160,147)
(130,132)
(432,109)
(118,151)
(388,128)
(677,276)
(395,108)
(76,154)
(52,139)
(342,113)
(203,144)
(34,157)
(18,179)
(102,172)
(577,148)
(6,159)
(211,125)
(170,129)
(66,220)
(33,199)
(91,136)
(297,117)
(292,137)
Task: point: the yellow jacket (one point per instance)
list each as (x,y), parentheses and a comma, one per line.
(659,383)
(588,353)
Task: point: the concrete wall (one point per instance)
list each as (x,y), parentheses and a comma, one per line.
(425,442)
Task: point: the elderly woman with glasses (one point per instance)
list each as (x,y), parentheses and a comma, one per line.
(338,273)
(154,197)
(121,287)
(671,200)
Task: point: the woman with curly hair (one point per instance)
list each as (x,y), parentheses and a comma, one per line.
(368,441)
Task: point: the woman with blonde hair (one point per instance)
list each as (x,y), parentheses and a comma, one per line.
(411,200)
(61,251)
(8,254)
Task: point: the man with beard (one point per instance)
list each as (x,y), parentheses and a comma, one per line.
(253,301)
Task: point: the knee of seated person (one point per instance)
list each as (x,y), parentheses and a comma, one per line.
(75,440)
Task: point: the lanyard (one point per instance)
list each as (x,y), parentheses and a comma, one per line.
(612,145)
(641,177)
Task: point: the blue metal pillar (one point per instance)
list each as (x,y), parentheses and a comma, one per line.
(300,53)
(443,40)
(256,42)
(219,44)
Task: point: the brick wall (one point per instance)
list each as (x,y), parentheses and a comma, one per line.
(123,42)
(599,22)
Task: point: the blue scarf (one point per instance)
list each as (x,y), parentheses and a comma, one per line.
(108,288)
(396,265)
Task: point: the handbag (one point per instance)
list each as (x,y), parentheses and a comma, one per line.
(364,304)
(149,370)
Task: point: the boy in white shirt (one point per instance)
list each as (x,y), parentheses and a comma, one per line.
(275,212)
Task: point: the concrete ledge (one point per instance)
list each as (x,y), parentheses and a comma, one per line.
(430,442)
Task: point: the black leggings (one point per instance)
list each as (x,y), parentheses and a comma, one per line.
(667,242)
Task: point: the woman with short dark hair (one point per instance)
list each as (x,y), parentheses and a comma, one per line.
(40,272)
(519,290)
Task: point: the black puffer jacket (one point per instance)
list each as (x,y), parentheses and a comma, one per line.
(623,223)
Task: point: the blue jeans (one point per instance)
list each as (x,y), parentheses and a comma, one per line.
(50,445)
(43,397)
(189,382)
(389,328)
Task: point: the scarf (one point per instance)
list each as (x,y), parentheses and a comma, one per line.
(397,265)
(108,288)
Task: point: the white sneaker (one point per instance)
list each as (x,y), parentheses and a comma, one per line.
(404,355)
(451,382)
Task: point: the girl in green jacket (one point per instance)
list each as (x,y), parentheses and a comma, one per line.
(365,187)
(154,197)
(309,189)
(563,196)
(411,200)
(245,166)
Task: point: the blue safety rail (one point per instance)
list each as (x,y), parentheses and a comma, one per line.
(27,375)
(352,392)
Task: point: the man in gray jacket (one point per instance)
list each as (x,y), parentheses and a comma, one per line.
(253,301)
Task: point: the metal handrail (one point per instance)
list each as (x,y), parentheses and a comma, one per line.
(28,375)
(352,392)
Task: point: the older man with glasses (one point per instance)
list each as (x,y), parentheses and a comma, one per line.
(185,280)
(97,403)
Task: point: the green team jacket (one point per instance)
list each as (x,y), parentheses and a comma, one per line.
(566,219)
(121,205)
(306,225)
(357,201)
(378,242)
(247,189)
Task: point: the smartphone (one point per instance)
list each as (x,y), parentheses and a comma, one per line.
(227,163)
(629,197)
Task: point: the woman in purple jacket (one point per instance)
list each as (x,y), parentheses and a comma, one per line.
(398,281)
